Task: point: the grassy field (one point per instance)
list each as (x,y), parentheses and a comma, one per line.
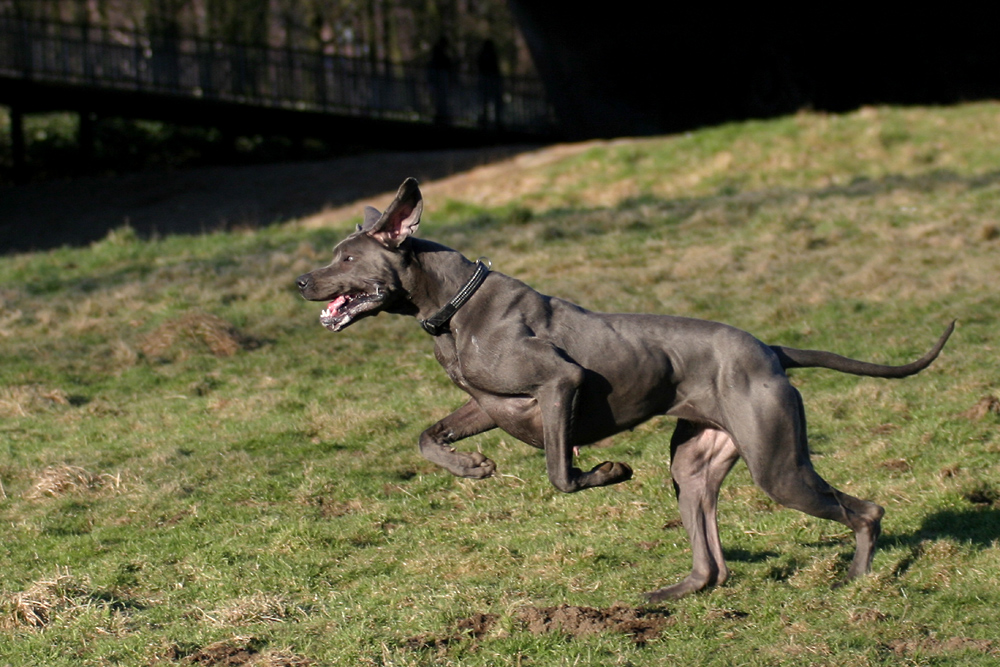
(195,472)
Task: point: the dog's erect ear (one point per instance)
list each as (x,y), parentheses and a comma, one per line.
(372,215)
(400,220)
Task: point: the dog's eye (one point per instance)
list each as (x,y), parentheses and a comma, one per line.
(348,258)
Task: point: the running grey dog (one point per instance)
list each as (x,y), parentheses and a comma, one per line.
(557,376)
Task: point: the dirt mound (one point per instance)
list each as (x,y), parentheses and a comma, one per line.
(226,652)
(237,652)
(985,406)
(194,332)
(641,624)
(982,494)
(475,627)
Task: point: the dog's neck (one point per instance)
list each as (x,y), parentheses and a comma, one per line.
(432,284)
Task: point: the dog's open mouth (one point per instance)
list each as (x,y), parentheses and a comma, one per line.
(346,308)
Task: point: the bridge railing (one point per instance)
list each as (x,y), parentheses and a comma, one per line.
(268,77)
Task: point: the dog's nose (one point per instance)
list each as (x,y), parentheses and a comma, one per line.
(303,281)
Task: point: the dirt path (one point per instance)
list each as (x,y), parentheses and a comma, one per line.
(46,215)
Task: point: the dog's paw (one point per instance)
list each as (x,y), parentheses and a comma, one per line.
(610,472)
(675,592)
(476,466)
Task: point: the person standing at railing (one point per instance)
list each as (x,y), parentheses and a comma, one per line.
(490,87)
(166,58)
(440,70)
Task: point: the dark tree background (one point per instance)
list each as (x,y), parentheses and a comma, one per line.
(384,30)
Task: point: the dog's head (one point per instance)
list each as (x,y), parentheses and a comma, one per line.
(364,277)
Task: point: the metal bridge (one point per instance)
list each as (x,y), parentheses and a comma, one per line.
(58,66)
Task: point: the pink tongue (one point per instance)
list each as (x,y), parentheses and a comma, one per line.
(335,305)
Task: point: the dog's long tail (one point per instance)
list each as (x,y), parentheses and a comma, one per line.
(793,358)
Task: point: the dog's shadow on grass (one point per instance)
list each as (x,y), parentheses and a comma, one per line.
(976,525)
(745,556)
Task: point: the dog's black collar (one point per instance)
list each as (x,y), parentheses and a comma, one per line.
(437,324)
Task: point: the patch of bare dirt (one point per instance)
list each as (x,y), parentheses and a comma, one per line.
(982,494)
(178,337)
(474,627)
(236,652)
(231,652)
(334,510)
(640,624)
(727,615)
(897,465)
(986,405)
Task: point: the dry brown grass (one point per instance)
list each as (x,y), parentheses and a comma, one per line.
(823,151)
(28,399)
(37,606)
(55,481)
(986,405)
(257,608)
(194,331)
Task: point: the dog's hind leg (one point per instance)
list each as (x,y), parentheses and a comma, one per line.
(435,442)
(777,454)
(701,457)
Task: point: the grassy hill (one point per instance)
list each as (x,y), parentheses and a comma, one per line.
(193,471)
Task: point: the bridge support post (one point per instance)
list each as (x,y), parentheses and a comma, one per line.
(85,140)
(17,144)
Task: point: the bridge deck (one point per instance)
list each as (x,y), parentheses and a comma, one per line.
(48,66)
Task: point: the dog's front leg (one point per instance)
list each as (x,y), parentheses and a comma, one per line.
(435,442)
(558,401)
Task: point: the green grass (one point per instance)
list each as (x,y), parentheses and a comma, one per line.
(192,465)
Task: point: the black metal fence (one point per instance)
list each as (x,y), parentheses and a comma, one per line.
(100,58)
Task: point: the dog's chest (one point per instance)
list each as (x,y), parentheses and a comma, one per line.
(477,370)
(446,353)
